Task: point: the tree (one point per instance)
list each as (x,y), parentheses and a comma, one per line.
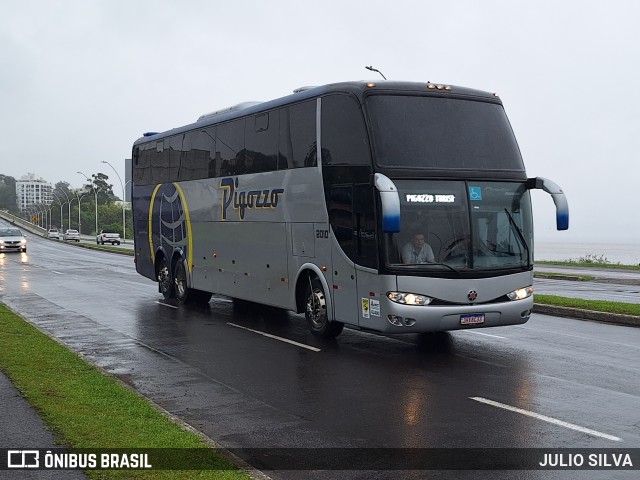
(62,186)
(8,198)
(105,195)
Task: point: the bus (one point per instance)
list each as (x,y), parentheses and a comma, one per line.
(311,202)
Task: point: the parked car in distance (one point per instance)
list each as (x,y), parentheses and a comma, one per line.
(53,233)
(108,236)
(12,240)
(71,235)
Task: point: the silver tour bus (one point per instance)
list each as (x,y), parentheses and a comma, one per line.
(390,206)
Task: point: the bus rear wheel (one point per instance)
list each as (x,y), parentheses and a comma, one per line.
(165,283)
(316,311)
(184,294)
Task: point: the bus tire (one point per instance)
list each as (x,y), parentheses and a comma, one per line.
(184,294)
(165,281)
(316,311)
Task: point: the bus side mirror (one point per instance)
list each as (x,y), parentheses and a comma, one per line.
(558,196)
(390,201)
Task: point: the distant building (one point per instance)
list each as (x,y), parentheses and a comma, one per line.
(32,190)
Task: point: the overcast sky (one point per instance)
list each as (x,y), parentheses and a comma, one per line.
(81,80)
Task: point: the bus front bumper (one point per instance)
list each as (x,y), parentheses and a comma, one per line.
(398,318)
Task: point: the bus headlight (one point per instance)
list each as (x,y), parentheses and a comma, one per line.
(521,293)
(408,298)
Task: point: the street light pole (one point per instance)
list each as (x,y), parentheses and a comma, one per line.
(70,212)
(61,217)
(42,214)
(79,204)
(95,192)
(69,205)
(124,230)
(60,202)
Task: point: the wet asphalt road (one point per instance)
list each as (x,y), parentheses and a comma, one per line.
(589,290)
(211,368)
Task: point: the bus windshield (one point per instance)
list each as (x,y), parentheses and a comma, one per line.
(462,226)
(442,133)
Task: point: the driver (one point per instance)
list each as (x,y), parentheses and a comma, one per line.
(417,251)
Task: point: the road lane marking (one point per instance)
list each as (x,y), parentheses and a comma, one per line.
(485,334)
(581,337)
(167,305)
(544,418)
(286,340)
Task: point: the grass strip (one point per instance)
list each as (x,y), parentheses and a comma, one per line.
(574,263)
(564,276)
(85,408)
(107,248)
(595,305)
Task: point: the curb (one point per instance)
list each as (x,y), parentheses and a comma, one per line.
(616,318)
(560,276)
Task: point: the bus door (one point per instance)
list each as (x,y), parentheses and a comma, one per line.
(343,275)
(353,225)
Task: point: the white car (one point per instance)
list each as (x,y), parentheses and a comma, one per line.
(53,233)
(71,235)
(108,236)
(12,240)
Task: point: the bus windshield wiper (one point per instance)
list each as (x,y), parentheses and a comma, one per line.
(444,265)
(514,226)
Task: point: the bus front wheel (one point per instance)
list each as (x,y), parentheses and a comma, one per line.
(316,311)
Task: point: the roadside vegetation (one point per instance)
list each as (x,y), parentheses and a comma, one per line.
(588,261)
(595,305)
(85,408)
(564,276)
(107,248)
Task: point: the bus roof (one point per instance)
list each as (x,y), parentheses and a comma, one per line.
(358,88)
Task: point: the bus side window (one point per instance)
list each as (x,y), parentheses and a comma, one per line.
(261,143)
(160,162)
(139,165)
(366,250)
(230,146)
(344,134)
(297,135)
(341,216)
(351,214)
(175,151)
(147,152)
(213,167)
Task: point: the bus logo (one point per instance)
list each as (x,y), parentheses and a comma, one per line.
(243,200)
(472,295)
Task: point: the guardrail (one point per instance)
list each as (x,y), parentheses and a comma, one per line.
(22,223)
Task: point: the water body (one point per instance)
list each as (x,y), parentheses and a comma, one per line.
(624,253)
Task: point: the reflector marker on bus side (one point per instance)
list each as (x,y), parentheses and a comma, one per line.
(544,418)
(286,340)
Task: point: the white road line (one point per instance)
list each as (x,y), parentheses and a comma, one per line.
(544,418)
(286,340)
(166,305)
(581,337)
(485,334)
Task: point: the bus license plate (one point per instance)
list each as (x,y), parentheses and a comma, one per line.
(474,319)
